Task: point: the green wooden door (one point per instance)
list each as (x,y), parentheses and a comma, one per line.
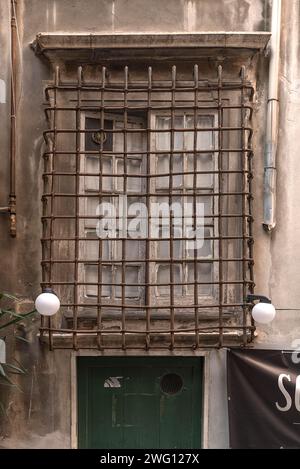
(140,402)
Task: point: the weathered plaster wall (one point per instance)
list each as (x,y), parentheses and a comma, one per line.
(277,256)
(151,16)
(40,417)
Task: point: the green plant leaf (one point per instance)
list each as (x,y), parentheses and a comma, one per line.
(3,410)
(22,339)
(12,313)
(15,369)
(7,380)
(14,321)
(9,296)
(2,371)
(20,365)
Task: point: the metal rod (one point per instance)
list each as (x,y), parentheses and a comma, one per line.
(70,244)
(220,200)
(100,247)
(244,202)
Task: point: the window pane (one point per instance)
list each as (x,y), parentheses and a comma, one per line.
(135,140)
(163,139)
(107,168)
(163,250)
(92,247)
(91,204)
(92,166)
(163,276)
(107,278)
(204,162)
(133,167)
(162,167)
(134,184)
(131,276)
(91,276)
(205,140)
(179,136)
(205,271)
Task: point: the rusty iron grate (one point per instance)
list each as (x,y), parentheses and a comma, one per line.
(159,138)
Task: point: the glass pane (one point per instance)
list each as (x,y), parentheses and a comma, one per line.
(133,167)
(163,276)
(134,184)
(163,249)
(205,140)
(177,168)
(162,167)
(91,211)
(179,136)
(133,249)
(91,276)
(91,248)
(92,166)
(163,139)
(204,162)
(119,182)
(118,137)
(107,168)
(107,279)
(206,250)
(135,140)
(131,276)
(189,143)
(208,202)
(205,271)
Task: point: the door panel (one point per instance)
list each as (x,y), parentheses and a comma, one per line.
(139,402)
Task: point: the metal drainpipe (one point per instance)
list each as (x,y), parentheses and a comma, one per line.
(12,194)
(11,209)
(272,122)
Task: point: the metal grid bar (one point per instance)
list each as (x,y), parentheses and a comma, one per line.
(220,184)
(100,250)
(229,220)
(195,175)
(148,204)
(125,180)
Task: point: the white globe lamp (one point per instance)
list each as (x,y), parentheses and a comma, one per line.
(47,303)
(263,312)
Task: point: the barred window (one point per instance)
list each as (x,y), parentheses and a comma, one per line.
(147,233)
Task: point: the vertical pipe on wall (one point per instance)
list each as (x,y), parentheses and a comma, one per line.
(12,192)
(272,122)
(11,209)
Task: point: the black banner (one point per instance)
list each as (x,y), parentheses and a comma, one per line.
(264,399)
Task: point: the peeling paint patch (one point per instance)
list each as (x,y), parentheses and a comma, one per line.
(2,92)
